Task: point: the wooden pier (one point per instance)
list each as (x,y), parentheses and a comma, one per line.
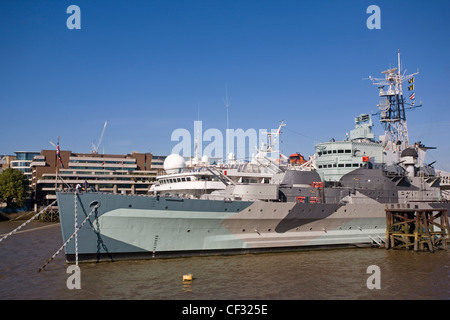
(416,228)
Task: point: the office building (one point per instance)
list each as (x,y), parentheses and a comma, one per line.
(128,174)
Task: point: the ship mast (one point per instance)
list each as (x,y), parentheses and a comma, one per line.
(392,106)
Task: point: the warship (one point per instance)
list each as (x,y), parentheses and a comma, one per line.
(336,199)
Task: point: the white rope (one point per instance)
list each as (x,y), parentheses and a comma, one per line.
(70,238)
(75,228)
(34,229)
(27,222)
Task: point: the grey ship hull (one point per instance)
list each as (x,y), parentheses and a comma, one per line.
(126,226)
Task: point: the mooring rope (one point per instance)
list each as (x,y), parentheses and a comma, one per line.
(70,238)
(75,228)
(28,221)
(34,229)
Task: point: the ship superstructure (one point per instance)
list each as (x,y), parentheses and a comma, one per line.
(197,178)
(392,150)
(337,158)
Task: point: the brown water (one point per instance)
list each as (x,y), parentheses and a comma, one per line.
(323,274)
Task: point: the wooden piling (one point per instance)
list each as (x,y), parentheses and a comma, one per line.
(414,228)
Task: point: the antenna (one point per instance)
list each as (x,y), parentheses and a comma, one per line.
(227,105)
(198,134)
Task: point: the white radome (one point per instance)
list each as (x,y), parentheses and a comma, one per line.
(173,163)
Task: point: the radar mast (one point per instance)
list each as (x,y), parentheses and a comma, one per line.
(392,106)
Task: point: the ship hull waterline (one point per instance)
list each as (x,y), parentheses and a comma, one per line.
(136,227)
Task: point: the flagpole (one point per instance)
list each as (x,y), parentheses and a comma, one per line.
(56,160)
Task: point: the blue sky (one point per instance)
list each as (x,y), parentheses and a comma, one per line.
(150,67)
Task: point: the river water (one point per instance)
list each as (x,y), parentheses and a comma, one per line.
(307,275)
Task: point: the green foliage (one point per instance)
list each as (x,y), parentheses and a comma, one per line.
(14,188)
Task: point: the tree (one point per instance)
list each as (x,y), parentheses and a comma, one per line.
(14,187)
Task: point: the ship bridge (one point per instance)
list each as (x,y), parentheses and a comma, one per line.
(337,158)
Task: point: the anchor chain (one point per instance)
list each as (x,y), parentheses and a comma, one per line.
(28,221)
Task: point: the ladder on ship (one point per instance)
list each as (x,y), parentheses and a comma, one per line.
(219,175)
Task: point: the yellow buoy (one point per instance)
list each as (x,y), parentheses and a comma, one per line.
(187,277)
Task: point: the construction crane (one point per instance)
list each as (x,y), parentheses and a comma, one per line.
(94,147)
